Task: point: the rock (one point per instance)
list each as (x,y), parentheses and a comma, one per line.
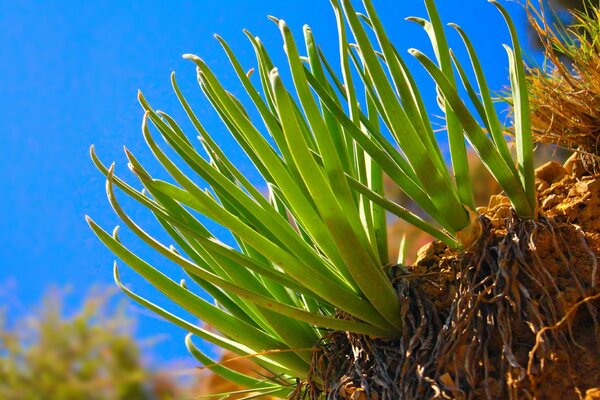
(499,208)
(550,201)
(427,255)
(550,172)
(593,394)
(540,185)
(587,187)
(574,166)
(497,200)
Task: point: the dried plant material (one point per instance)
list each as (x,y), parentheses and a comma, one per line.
(565,93)
(515,317)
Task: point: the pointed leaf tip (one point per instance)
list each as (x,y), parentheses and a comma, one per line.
(283,25)
(92,152)
(274,74)
(116,275)
(192,57)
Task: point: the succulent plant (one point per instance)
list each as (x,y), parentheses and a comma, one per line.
(312,256)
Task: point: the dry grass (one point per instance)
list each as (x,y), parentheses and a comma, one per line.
(565,93)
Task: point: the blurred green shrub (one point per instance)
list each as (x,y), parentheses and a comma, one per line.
(89,355)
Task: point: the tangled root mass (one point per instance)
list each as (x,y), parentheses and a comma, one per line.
(515,316)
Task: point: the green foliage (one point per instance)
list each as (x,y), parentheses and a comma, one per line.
(312,256)
(88,356)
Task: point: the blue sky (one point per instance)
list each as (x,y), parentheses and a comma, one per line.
(68,78)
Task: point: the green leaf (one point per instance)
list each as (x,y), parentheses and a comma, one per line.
(368,275)
(434,180)
(227,373)
(224,322)
(488,153)
(523,135)
(325,287)
(333,173)
(489,114)
(207,335)
(456,140)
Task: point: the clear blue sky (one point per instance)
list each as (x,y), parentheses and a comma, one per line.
(69,74)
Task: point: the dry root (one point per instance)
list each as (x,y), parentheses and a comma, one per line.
(359,367)
(495,322)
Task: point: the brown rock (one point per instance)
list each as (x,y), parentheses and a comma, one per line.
(574,166)
(588,187)
(428,255)
(550,172)
(593,394)
(541,185)
(550,201)
(497,200)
